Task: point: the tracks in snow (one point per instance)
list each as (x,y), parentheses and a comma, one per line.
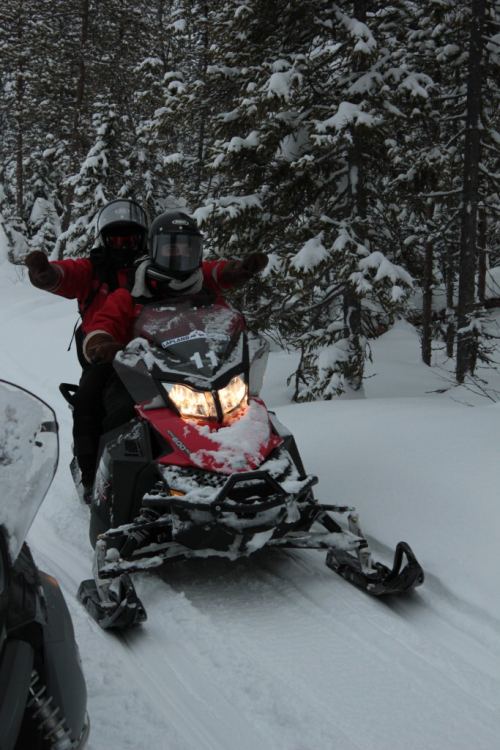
(276,651)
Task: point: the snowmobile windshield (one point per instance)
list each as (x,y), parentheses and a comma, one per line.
(29,452)
(198,341)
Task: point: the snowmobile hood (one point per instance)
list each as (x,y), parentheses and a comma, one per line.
(242,445)
(196,340)
(29,452)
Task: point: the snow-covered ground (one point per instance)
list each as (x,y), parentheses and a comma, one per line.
(276,651)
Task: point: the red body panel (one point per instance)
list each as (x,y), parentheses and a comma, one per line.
(241,444)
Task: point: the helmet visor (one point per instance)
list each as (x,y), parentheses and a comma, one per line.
(121,239)
(177,252)
(121,211)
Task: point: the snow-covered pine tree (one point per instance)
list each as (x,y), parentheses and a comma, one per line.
(489,205)
(292,168)
(477,338)
(181,126)
(19,40)
(425,158)
(261,189)
(146,175)
(44,225)
(359,245)
(94,185)
(480,201)
(430,159)
(130,76)
(34,79)
(467,333)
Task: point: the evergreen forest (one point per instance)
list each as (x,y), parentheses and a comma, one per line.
(356,143)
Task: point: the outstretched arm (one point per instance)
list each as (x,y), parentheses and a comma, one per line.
(236,273)
(68,278)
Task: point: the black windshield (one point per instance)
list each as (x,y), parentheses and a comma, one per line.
(188,340)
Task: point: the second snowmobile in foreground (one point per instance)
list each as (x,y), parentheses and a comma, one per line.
(205,469)
(43,696)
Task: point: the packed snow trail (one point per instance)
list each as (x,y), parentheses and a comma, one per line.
(276,651)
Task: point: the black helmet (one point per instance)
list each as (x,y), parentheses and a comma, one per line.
(175,246)
(122,227)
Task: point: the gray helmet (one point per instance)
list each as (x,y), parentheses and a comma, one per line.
(175,246)
(122,227)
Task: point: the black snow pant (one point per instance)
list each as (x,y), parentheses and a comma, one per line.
(88,416)
(118,403)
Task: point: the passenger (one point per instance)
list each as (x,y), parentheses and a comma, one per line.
(122,234)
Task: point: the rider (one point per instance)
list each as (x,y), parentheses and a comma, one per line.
(122,234)
(174,267)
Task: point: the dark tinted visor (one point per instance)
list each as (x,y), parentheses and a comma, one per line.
(177,252)
(123,239)
(121,211)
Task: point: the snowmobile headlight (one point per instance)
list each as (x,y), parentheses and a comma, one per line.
(233,396)
(190,403)
(202,404)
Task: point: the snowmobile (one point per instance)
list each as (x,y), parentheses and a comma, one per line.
(205,469)
(43,696)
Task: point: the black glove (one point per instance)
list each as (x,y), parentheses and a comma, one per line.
(101,347)
(42,274)
(238,272)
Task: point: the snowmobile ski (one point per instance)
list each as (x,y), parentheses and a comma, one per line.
(111,608)
(377,579)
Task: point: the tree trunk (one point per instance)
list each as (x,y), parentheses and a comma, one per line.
(482,259)
(200,166)
(352,318)
(79,98)
(352,304)
(19,149)
(19,117)
(428,288)
(450,302)
(466,342)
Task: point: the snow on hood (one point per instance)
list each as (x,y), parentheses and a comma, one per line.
(238,443)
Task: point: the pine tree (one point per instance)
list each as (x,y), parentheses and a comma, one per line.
(426,160)
(92,188)
(300,180)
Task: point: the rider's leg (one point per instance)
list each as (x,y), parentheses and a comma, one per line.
(119,404)
(88,414)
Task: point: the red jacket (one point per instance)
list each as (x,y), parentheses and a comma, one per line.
(118,315)
(78,280)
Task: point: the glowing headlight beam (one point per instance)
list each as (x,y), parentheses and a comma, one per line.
(232,395)
(201,405)
(192,403)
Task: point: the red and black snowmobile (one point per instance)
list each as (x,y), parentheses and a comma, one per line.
(205,469)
